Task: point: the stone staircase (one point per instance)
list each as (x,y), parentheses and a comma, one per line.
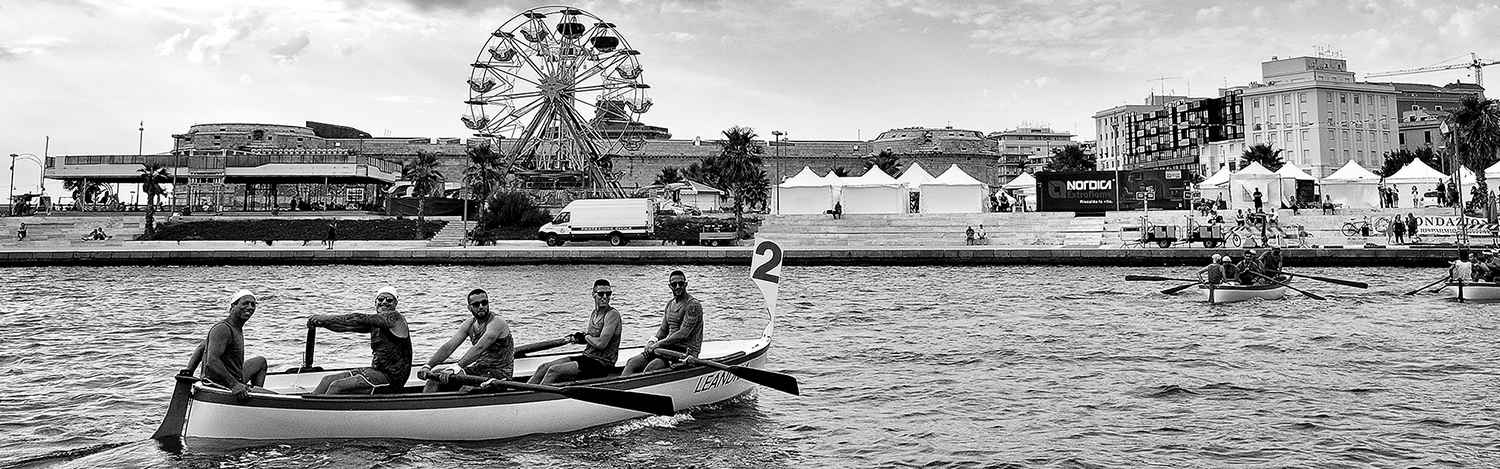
(932,229)
(55,231)
(451,236)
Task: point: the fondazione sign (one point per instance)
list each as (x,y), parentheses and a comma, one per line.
(1449,226)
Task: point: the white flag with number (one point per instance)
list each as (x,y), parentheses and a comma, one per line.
(765,269)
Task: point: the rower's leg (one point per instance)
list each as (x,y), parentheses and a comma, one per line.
(539,376)
(255,370)
(560,372)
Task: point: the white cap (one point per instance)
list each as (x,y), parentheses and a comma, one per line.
(391,290)
(239,294)
(1218,256)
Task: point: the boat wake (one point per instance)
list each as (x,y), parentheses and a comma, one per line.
(60,457)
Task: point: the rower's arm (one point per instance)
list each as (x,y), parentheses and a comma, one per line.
(495,330)
(446,350)
(352,322)
(196,359)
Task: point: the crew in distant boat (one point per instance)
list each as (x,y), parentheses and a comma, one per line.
(1213,273)
(1461,268)
(1231,271)
(491,352)
(681,329)
(390,342)
(1250,269)
(601,342)
(223,352)
(1271,260)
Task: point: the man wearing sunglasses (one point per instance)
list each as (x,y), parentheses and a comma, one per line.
(601,343)
(223,353)
(681,329)
(491,348)
(390,343)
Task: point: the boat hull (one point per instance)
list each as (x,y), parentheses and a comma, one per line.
(215,415)
(1231,293)
(1473,291)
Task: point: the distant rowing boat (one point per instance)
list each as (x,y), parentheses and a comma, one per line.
(1473,291)
(1231,293)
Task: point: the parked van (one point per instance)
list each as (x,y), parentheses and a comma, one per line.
(616,220)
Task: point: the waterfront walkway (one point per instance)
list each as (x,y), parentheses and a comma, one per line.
(922,239)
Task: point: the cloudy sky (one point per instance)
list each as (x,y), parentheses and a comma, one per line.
(87,72)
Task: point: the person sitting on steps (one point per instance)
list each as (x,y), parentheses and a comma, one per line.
(969,236)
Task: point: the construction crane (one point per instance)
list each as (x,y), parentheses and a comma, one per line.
(1475,63)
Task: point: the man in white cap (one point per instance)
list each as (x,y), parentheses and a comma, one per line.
(390,343)
(223,353)
(1213,273)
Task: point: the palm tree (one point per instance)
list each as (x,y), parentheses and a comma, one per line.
(81,192)
(1475,134)
(152,177)
(886,160)
(422,171)
(1395,160)
(1263,154)
(668,175)
(483,177)
(738,166)
(1070,158)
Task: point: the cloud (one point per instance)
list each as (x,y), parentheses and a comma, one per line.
(345,48)
(169,46)
(246,79)
(406,99)
(675,36)
(231,28)
(287,52)
(1037,82)
(34,46)
(1210,15)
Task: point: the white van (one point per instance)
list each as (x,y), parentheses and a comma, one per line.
(616,220)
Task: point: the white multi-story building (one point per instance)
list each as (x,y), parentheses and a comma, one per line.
(1312,109)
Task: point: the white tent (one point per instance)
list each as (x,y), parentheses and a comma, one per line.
(1492,173)
(1216,187)
(915,176)
(873,192)
(1290,174)
(805,193)
(1352,186)
(1244,184)
(1025,186)
(1413,182)
(955,191)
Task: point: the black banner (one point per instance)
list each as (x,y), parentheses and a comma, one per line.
(1104,191)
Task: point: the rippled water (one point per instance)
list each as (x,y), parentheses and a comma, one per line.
(900,367)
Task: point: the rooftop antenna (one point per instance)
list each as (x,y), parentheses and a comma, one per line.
(1163,81)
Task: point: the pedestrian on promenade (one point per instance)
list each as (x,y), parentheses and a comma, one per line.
(1398,228)
(1256,197)
(333,234)
(980,235)
(1411,227)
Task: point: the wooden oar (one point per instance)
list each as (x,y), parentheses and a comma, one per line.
(1295,289)
(1153,278)
(172,423)
(1348,283)
(780,382)
(630,400)
(307,353)
(524,350)
(1174,290)
(1424,287)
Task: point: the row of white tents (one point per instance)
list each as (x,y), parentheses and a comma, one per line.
(1352,186)
(954,191)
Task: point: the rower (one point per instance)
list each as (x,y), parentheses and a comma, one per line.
(491,352)
(390,343)
(681,329)
(601,340)
(1231,271)
(1461,268)
(1249,268)
(1213,273)
(1271,260)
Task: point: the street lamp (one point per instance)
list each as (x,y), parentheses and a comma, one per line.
(1458,182)
(11,201)
(776,166)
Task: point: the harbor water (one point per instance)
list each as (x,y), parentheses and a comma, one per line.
(1015,366)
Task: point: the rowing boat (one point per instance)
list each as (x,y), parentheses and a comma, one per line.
(211,416)
(1473,291)
(1233,292)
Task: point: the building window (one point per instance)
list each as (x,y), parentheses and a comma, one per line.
(1437,108)
(1329,95)
(1255,104)
(1302,97)
(1401,138)
(1427,136)
(1343,98)
(1303,120)
(1356,98)
(1306,157)
(1306,135)
(1346,135)
(1359,136)
(1286,99)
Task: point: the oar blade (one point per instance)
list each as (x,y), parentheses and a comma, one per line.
(1144,278)
(176,417)
(778,381)
(1174,290)
(1424,287)
(637,401)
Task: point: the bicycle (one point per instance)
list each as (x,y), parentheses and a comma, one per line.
(1359,227)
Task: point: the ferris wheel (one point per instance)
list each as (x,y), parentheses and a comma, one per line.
(562,86)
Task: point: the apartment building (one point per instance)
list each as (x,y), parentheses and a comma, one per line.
(1319,116)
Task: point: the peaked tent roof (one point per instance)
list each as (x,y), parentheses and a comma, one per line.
(805,178)
(956,176)
(1255,169)
(874,176)
(1291,171)
(831,179)
(1416,169)
(1218,179)
(1025,180)
(1493,169)
(1352,172)
(915,175)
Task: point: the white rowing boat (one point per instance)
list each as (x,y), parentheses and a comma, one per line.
(1473,291)
(210,414)
(1233,292)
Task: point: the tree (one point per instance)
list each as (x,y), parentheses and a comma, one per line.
(483,177)
(152,177)
(1395,160)
(426,180)
(840,171)
(739,166)
(886,160)
(1475,134)
(1071,158)
(668,175)
(1263,154)
(82,192)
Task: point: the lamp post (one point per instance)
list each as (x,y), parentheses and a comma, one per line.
(776,166)
(1458,183)
(11,200)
